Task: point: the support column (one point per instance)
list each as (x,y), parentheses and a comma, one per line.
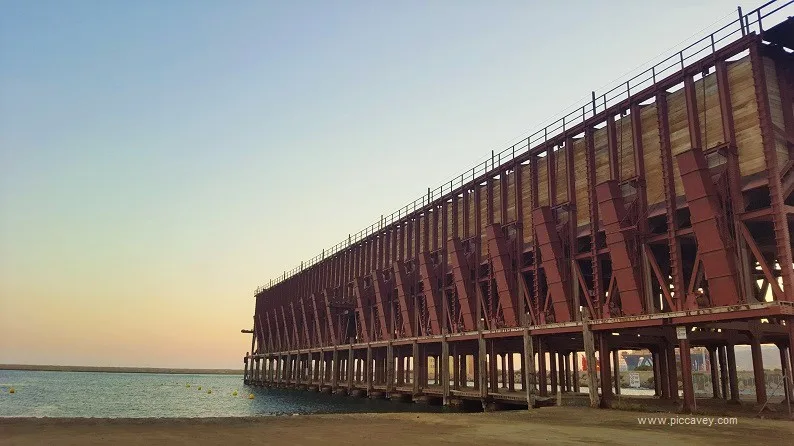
(482,366)
(444,370)
(504,370)
(493,375)
(575,372)
(543,391)
(672,371)
(606,374)
(416,369)
(389,367)
(786,370)
(528,368)
(732,379)
(723,371)
(589,351)
(511,373)
(758,369)
(568,372)
(455,368)
(321,368)
(686,375)
(350,368)
(561,371)
(657,385)
(715,378)
(368,369)
(400,370)
(335,369)
(553,371)
(616,371)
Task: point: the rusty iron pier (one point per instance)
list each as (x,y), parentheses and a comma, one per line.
(655,216)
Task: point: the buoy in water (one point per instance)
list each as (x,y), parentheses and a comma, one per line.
(11,390)
(209,390)
(234,393)
(251,396)
(187,385)
(199,387)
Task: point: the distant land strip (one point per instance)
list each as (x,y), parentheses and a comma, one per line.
(80,368)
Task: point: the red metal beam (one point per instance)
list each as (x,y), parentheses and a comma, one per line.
(553,255)
(362,312)
(431,292)
(623,250)
(406,303)
(460,271)
(705,215)
(382,303)
(501,264)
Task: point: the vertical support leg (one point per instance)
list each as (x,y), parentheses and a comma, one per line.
(553,371)
(542,382)
(455,368)
(504,370)
(606,374)
(482,366)
(400,370)
(575,371)
(672,371)
(350,368)
(616,371)
(528,368)
(416,369)
(686,375)
(444,370)
(321,368)
(493,375)
(589,351)
(389,367)
(657,386)
(732,378)
(335,369)
(368,370)
(785,368)
(511,373)
(758,370)
(568,372)
(715,378)
(723,371)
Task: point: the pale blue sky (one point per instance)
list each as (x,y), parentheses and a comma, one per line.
(162,159)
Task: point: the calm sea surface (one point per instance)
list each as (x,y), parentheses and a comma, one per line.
(137,395)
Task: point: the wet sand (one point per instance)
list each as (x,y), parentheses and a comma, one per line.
(554,425)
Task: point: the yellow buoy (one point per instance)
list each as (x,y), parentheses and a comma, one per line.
(234,393)
(11,390)
(187,385)
(199,387)
(251,396)
(209,390)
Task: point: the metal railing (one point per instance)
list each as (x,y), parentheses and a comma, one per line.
(742,25)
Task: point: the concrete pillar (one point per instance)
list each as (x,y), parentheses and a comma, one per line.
(568,387)
(616,370)
(606,374)
(504,370)
(686,375)
(321,368)
(715,377)
(511,373)
(758,369)
(553,371)
(455,369)
(664,372)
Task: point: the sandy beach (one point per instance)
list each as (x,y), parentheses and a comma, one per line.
(565,425)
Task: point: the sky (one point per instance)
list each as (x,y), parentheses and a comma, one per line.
(162,159)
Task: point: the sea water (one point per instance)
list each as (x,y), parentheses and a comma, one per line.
(143,395)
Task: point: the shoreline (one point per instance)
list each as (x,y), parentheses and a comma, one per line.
(552,425)
(99,369)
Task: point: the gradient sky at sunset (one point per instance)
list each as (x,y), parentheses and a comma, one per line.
(162,159)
